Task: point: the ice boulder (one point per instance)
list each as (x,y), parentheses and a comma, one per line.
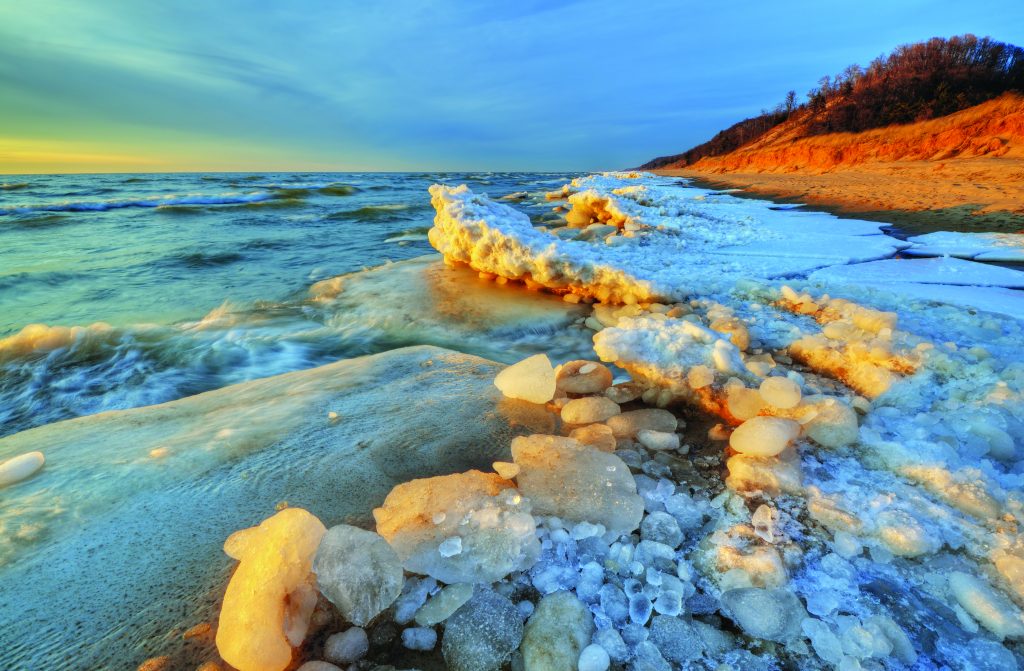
(532,379)
(20,467)
(771,614)
(482,634)
(764,436)
(564,478)
(834,424)
(270,598)
(358,572)
(466,527)
(556,633)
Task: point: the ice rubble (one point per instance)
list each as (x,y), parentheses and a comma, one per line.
(868,517)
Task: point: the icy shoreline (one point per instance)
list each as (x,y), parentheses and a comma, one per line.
(774,466)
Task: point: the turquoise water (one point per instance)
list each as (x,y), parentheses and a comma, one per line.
(198,280)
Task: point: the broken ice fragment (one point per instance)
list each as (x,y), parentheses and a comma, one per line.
(532,379)
(482,634)
(358,572)
(771,614)
(493,525)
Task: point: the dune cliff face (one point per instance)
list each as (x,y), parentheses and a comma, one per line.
(991,129)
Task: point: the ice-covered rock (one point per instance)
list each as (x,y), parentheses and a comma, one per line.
(20,467)
(583,377)
(556,633)
(764,436)
(358,572)
(629,424)
(532,379)
(348,646)
(420,519)
(833,424)
(482,634)
(771,614)
(443,604)
(270,598)
(575,482)
(589,409)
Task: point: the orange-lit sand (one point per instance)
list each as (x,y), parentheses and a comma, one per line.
(967,163)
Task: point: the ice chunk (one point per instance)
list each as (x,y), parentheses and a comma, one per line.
(764,436)
(824,641)
(640,608)
(593,658)
(275,559)
(589,409)
(419,638)
(413,596)
(744,403)
(834,424)
(348,646)
(20,467)
(772,614)
(904,535)
(611,640)
(532,379)
(443,604)
(313,665)
(780,392)
(647,657)
(583,377)
(556,633)
(629,424)
(993,610)
(482,634)
(575,482)
(491,520)
(658,440)
(358,572)
(661,527)
(599,436)
(677,640)
(614,604)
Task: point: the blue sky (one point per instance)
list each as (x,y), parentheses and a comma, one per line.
(328,84)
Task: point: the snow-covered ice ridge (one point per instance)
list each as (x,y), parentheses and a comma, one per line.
(770,469)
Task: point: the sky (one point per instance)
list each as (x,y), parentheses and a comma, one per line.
(256,85)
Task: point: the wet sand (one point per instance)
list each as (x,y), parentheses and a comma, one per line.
(966,194)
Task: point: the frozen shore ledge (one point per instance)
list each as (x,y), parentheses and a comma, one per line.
(771,466)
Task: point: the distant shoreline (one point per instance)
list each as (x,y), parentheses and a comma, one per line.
(980,195)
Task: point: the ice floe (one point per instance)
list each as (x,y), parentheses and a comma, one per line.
(977,246)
